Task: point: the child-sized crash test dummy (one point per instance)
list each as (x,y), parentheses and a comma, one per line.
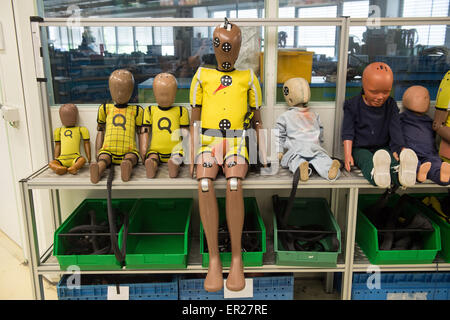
(165,123)
(67,142)
(300,132)
(372,134)
(419,135)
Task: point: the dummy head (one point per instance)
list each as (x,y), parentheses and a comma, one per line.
(377,83)
(417,99)
(68,113)
(165,89)
(227,43)
(296,92)
(121,86)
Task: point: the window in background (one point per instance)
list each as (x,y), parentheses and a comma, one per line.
(356,9)
(286,33)
(144,38)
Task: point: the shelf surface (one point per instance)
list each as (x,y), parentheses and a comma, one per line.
(45,178)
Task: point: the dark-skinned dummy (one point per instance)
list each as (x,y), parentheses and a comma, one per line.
(167,124)
(441,123)
(418,131)
(118,123)
(372,135)
(67,142)
(220,99)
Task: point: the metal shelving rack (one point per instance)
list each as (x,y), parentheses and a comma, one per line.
(351,259)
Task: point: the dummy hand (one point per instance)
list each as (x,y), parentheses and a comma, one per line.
(348,162)
(395,154)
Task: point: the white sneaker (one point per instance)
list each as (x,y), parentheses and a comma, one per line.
(408,168)
(381,168)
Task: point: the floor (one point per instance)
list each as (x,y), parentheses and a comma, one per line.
(15,281)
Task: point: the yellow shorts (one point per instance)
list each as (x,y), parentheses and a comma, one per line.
(222,148)
(69,160)
(117,158)
(164,157)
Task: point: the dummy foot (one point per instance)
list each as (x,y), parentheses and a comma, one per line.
(236,279)
(125,169)
(423,171)
(214,278)
(174,168)
(408,168)
(59,169)
(334,169)
(77,166)
(445,172)
(381,165)
(304,171)
(94,172)
(150,168)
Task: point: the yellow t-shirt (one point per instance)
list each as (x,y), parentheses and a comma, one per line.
(443,96)
(70,138)
(224,97)
(121,123)
(165,123)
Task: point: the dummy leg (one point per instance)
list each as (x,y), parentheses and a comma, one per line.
(423,170)
(96,169)
(439,172)
(77,165)
(57,167)
(207,170)
(151,165)
(235,221)
(326,167)
(126,166)
(174,165)
(445,173)
(408,167)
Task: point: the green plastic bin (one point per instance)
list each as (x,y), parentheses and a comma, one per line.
(444,226)
(80,216)
(250,259)
(367,237)
(308,211)
(159,251)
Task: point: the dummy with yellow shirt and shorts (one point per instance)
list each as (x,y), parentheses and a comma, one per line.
(441,123)
(220,99)
(117,124)
(67,142)
(166,124)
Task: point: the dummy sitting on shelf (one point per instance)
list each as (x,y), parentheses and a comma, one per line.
(67,142)
(300,132)
(372,134)
(419,135)
(166,122)
(117,125)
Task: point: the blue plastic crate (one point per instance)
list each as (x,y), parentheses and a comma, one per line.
(273,287)
(142,287)
(403,286)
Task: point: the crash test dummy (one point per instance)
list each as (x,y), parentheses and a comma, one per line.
(67,142)
(222,99)
(300,132)
(166,124)
(417,129)
(372,135)
(441,123)
(117,124)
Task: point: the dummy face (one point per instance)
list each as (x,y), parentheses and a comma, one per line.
(377,83)
(227,43)
(417,99)
(296,92)
(165,89)
(68,114)
(121,85)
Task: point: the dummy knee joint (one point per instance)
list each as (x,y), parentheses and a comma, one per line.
(204,184)
(234,184)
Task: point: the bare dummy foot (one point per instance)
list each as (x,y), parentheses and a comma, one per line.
(94,172)
(150,168)
(334,169)
(445,172)
(304,171)
(423,171)
(174,167)
(57,167)
(236,279)
(125,169)
(214,278)
(77,166)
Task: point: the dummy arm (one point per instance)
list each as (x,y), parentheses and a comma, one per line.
(144,140)
(280,136)
(57,149)
(100,137)
(87,150)
(440,117)
(348,158)
(260,137)
(193,138)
